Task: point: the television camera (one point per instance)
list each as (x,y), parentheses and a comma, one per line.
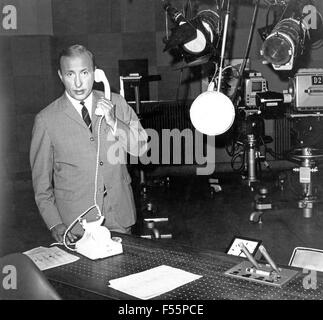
(305,91)
(257,99)
(249,129)
(303,98)
(299,26)
(254,83)
(304,104)
(304,95)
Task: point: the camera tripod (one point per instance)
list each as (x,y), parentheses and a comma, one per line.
(246,147)
(308,158)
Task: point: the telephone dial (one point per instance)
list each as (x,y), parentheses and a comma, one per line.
(96,242)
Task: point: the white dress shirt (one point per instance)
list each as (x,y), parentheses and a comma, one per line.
(77,104)
(88,104)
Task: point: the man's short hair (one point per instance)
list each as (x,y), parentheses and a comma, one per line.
(75,50)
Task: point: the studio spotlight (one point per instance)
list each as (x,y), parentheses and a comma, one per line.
(197,38)
(285,43)
(299,27)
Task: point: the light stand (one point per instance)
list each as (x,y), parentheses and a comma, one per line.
(134,80)
(154,226)
(225,32)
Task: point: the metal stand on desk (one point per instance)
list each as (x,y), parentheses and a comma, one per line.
(267,274)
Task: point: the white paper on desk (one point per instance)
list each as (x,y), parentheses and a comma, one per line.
(153,282)
(46,258)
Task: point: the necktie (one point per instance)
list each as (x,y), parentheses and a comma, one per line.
(86,116)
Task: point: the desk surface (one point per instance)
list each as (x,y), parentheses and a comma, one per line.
(88,279)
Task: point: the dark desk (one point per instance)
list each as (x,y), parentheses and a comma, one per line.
(87,279)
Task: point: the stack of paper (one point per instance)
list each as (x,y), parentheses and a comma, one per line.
(46,258)
(153,282)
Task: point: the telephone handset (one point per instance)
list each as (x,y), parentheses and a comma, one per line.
(99,76)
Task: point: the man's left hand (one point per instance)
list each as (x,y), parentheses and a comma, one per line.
(109,111)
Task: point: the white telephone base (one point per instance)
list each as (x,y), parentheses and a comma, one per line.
(96,242)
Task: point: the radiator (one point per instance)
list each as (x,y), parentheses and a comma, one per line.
(282,136)
(159,115)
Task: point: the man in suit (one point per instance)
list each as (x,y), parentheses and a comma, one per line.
(69,175)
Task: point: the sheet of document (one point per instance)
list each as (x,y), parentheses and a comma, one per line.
(153,282)
(46,258)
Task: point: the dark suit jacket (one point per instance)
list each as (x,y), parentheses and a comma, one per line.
(63,157)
